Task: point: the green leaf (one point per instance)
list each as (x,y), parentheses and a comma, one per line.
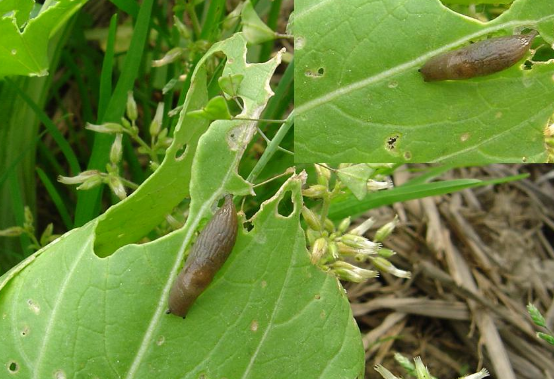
(216,109)
(355,178)
(26,52)
(254,29)
(230,84)
(350,206)
(266,306)
(360,98)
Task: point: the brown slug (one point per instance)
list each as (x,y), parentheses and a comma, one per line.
(208,254)
(479,59)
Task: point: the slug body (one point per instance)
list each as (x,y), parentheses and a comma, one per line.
(209,253)
(479,59)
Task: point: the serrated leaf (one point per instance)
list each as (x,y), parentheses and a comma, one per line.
(355,177)
(25,52)
(360,98)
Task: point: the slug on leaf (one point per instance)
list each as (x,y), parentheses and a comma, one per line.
(213,245)
(479,59)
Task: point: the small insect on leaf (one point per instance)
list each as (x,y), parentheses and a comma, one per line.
(479,59)
(212,248)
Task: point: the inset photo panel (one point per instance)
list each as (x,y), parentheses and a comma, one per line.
(424,81)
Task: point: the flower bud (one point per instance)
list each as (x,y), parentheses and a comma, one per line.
(344,224)
(28,216)
(132,112)
(386,374)
(346,250)
(363,227)
(329,226)
(47,234)
(385,266)
(117,149)
(318,250)
(108,128)
(316,190)
(156,123)
(385,230)
(481,374)
(91,182)
(117,187)
(323,171)
(169,57)
(14,231)
(351,273)
(333,250)
(386,253)
(311,219)
(359,242)
(184,31)
(81,178)
(126,124)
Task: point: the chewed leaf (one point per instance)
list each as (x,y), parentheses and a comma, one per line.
(268,303)
(24,41)
(360,97)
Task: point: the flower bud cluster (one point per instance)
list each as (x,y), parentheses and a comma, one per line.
(159,143)
(331,247)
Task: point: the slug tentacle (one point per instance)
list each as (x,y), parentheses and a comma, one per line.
(479,59)
(213,245)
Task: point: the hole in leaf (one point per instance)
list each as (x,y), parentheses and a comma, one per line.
(543,53)
(285,207)
(248,226)
(13,367)
(179,154)
(481,12)
(315,73)
(391,141)
(236,105)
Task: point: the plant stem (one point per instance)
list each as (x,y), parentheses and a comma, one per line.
(194,18)
(271,148)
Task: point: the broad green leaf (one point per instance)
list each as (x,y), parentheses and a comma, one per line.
(69,313)
(216,161)
(360,98)
(355,178)
(24,52)
(72,314)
